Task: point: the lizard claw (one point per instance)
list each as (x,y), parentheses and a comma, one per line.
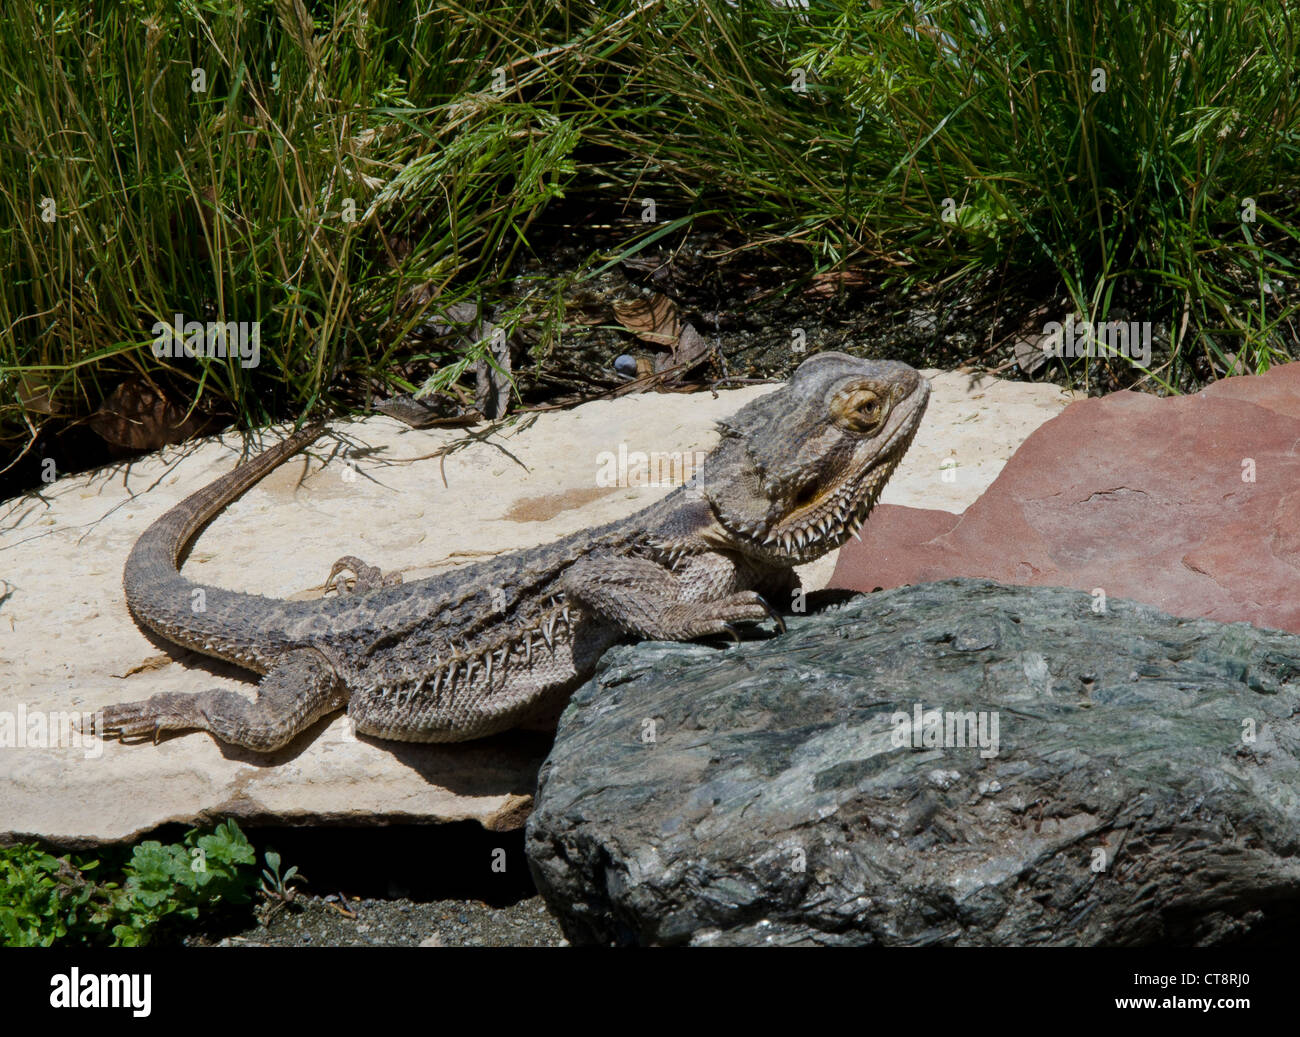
(141,721)
(773,614)
(366,577)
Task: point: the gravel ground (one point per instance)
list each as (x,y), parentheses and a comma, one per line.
(328,922)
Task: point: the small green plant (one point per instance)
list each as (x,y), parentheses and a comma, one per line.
(278,889)
(46,900)
(182,880)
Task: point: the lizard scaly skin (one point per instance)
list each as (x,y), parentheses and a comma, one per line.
(483,649)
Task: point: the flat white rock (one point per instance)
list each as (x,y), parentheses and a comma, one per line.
(68,644)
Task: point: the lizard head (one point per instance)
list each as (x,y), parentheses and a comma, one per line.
(798,471)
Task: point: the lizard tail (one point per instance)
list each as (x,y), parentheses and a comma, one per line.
(152,577)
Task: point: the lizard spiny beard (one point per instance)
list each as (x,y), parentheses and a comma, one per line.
(836,514)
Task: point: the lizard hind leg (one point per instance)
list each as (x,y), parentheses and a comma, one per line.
(365,577)
(301,688)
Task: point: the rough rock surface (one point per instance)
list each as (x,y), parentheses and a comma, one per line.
(1191,504)
(1141,788)
(67,642)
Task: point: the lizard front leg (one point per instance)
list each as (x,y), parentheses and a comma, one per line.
(646,599)
(300,689)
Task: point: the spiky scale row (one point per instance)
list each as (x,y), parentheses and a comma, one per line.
(447,678)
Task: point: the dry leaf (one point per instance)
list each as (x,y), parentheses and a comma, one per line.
(35,396)
(652,319)
(826,284)
(429,412)
(691,348)
(154,662)
(492,383)
(587,315)
(137,416)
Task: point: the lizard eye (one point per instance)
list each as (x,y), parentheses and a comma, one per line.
(859,409)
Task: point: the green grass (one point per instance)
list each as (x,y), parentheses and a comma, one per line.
(1116,143)
(290,191)
(352,168)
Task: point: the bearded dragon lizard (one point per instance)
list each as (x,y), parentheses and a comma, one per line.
(479,650)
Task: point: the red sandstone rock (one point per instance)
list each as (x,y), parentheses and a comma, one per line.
(1142,497)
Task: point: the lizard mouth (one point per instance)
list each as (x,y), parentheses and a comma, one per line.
(830,517)
(825,515)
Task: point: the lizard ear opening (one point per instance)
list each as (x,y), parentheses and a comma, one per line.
(807,495)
